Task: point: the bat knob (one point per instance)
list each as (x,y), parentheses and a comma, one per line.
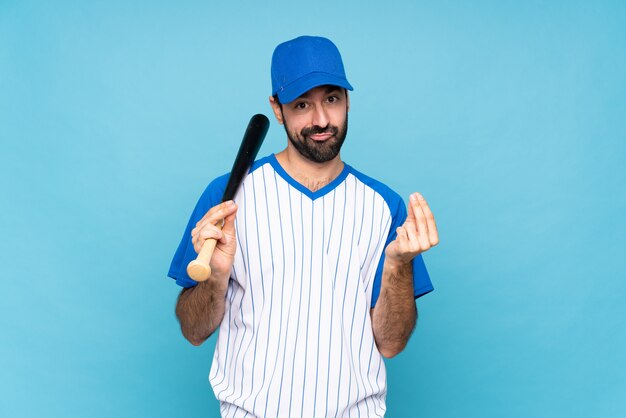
(198,270)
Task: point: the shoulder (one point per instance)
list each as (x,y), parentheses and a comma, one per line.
(392,198)
(215,189)
(261,162)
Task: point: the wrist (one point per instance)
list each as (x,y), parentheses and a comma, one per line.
(398,275)
(396,266)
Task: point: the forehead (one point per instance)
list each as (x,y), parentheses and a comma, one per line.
(321,90)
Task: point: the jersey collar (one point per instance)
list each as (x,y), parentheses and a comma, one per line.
(303,189)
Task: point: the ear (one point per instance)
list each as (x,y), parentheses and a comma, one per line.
(347,101)
(278,113)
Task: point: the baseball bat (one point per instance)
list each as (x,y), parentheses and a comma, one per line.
(199,269)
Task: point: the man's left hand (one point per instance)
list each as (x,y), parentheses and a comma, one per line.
(416,235)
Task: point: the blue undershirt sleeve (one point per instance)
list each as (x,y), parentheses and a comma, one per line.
(421,280)
(185,252)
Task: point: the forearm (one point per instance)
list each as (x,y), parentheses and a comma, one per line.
(200,309)
(395,313)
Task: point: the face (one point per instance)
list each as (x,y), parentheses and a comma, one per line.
(316,122)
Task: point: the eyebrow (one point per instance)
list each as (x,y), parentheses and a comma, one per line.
(329,89)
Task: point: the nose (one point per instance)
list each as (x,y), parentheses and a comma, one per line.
(320,117)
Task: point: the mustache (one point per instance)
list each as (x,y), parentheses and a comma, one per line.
(315,129)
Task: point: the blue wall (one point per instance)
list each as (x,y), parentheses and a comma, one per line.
(510,118)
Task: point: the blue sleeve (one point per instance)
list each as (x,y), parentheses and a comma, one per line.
(185,252)
(421,279)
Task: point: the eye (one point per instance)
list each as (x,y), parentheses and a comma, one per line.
(332,99)
(300,105)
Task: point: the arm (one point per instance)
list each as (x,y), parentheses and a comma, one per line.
(200,309)
(395,313)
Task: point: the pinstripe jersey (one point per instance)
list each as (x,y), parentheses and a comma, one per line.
(296,339)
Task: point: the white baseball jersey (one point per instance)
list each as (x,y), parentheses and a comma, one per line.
(296,339)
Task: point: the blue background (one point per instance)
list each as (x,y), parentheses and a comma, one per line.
(510,118)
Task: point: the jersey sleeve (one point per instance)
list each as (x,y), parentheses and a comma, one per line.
(185,252)
(421,280)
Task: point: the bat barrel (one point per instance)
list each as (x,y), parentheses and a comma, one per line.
(252,140)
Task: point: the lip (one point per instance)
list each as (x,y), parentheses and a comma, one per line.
(321,137)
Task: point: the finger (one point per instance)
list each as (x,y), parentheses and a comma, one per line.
(401,235)
(410,214)
(422,227)
(411,231)
(409,225)
(219,212)
(433,234)
(215,218)
(208,232)
(402,238)
(224,210)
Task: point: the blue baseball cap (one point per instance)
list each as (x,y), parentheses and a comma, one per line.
(304,63)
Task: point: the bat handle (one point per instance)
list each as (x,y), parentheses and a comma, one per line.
(199,269)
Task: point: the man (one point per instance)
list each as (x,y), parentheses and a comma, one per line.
(317,266)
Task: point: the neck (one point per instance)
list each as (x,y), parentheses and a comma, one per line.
(310,174)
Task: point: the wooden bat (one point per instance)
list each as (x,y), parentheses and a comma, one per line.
(199,269)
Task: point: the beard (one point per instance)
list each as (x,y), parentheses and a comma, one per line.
(318,152)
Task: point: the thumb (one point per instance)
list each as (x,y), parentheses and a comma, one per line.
(410,212)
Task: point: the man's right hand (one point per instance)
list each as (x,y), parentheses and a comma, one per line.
(224,254)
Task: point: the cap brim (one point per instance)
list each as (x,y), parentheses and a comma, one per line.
(296,89)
